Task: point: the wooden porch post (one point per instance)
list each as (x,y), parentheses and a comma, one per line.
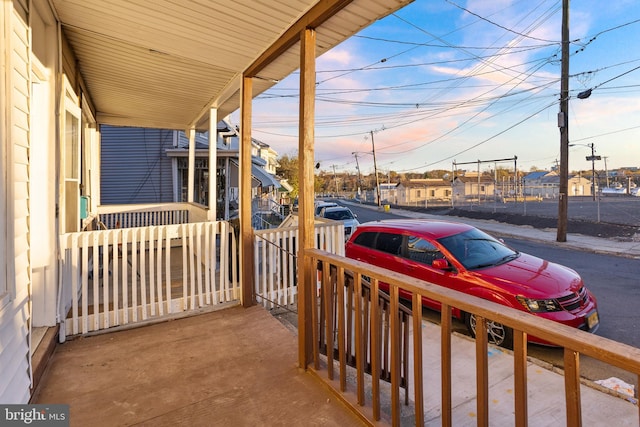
(246,231)
(213,164)
(306,283)
(192,164)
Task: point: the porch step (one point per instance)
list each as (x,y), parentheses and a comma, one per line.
(42,355)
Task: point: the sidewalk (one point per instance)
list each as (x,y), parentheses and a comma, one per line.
(545,388)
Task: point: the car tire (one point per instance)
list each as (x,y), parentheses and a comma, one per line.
(497,333)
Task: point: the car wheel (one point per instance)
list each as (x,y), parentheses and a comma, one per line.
(497,333)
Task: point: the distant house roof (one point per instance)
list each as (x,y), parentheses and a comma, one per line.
(422,183)
(534,176)
(473,179)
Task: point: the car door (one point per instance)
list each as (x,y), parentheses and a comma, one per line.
(418,255)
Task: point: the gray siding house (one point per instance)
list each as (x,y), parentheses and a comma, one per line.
(135,166)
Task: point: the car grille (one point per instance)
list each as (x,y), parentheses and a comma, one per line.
(574,301)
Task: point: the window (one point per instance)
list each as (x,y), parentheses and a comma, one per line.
(366,239)
(389,243)
(421,250)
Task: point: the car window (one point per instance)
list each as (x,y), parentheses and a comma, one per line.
(474,249)
(389,242)
(338,214)
(422,251)
(366,239)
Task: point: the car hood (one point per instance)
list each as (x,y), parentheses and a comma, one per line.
(532,277)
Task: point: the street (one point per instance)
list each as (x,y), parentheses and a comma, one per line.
(613,280)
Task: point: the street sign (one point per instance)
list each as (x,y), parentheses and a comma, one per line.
(592,158)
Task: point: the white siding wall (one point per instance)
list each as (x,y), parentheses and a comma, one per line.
(14,314)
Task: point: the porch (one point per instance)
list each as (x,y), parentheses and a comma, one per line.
(217,368)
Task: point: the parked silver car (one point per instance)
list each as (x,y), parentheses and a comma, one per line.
(344,214)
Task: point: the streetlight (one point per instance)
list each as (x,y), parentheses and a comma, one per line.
(593,159)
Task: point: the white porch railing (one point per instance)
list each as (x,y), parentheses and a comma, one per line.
(126,275)
(275,260)
(145,215)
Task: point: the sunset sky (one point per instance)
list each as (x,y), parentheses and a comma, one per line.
(442,81)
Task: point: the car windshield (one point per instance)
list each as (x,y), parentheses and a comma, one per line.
(475,249)
(339,215)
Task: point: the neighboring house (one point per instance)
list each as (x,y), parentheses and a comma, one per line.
(142,165)
(418,192)
(473,187)
(388,193)
(134,165)
(546,185)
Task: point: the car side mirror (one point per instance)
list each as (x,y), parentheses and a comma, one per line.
(441,264)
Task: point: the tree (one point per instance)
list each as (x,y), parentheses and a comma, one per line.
(288,169)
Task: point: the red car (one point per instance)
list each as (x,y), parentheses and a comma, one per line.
(461,257)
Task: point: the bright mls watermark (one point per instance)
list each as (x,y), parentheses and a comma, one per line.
(34,415)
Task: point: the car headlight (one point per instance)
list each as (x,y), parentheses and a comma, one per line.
(539,305)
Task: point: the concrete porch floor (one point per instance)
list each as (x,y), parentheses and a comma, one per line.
(234,366)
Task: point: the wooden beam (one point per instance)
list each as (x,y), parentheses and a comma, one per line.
(316,16)
(246,231)
(306,221)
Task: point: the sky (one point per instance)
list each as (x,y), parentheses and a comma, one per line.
(456,81)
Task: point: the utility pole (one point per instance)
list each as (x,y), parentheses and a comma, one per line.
(335,180)
(563,124)
(359,175)
(593,159)
(606,171)
(375,169)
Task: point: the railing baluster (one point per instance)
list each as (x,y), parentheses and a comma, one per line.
(134,274)
(84,266)
(125,277)
(103,276)
(360,347)
(197,232)
(143,274)
(375,349)
(152,271)
(115,311)
(223,278)
(167,277)
(341,330)
(327,284)
(418,381)
(186,297)
(159,288)
(395,354)
(482,372)
(572,387)
(520,377)
(208,251)
(445,361)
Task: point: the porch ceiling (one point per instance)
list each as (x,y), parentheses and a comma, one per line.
(164,63)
